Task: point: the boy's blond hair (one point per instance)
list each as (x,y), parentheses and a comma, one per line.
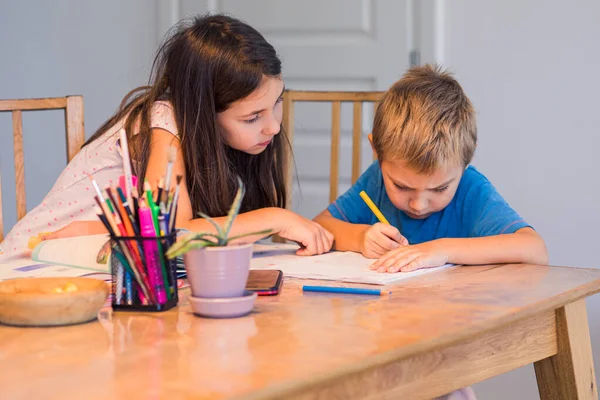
(425,119)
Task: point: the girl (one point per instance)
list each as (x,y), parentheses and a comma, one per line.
(215,96)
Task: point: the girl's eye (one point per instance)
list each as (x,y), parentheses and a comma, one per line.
(279,100)
(440,190)
(253,120)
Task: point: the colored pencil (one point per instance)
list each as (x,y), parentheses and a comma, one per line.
(373,207)
(126,165)
(348,290)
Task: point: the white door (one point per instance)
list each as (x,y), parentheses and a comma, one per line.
(324,45)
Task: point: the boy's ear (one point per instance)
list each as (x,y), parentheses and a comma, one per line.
(372,148)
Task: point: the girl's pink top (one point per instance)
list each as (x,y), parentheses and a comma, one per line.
(72,196)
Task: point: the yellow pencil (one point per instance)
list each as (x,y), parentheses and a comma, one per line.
(373,207)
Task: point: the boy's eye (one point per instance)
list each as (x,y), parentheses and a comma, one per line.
(401,187)
(440,190)
(253,120)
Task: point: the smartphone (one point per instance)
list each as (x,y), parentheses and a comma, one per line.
(265,282)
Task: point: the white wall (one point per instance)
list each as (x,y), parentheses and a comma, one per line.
(532,70)
(99,49)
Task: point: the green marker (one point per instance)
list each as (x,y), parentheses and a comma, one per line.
(155,211)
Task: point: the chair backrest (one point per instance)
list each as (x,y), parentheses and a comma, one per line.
(290,97)
(73,106)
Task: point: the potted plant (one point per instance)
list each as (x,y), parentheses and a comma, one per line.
(215,268)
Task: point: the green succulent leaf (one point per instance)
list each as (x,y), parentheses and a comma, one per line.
(188,247)
(191,241)
(197,240)
(235,207)
(220,232)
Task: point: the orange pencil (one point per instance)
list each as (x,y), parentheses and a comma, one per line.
(123,213)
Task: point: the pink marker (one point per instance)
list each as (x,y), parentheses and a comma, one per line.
(122,181)
(151,254)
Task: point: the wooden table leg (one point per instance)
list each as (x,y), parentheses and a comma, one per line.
(569,375)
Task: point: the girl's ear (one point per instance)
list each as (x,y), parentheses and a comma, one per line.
(372,148)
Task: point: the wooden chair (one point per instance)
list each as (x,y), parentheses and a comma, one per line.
(290,97)
(73,106)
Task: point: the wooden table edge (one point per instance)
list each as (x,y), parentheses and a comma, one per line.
(280,390)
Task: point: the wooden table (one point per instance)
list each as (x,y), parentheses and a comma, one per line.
(435,333)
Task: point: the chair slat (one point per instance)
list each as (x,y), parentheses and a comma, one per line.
(33,104)
(75,127)
(288,130)
(336,98)
(374,112)
(17,119)
(298,95)
(336,107)
(75,135)
(356,140)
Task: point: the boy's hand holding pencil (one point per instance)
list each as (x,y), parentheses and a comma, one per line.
(380,238)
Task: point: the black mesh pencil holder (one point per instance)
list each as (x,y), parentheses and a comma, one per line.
(143,278)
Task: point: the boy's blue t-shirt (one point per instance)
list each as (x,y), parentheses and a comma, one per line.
(476,210)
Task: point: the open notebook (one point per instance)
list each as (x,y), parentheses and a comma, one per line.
(88,252)
(87,255)
(335,266)
(78,256)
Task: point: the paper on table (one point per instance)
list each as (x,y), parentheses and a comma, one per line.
(335,266)
(76,252)
(11,268)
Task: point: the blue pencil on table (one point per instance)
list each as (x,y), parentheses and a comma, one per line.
(349,290)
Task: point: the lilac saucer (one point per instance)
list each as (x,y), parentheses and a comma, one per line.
(228,307)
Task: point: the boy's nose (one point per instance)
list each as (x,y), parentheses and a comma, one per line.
(418,204)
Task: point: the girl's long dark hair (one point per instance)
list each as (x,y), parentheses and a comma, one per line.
(203,68)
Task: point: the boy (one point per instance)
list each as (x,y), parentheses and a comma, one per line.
(441,209)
